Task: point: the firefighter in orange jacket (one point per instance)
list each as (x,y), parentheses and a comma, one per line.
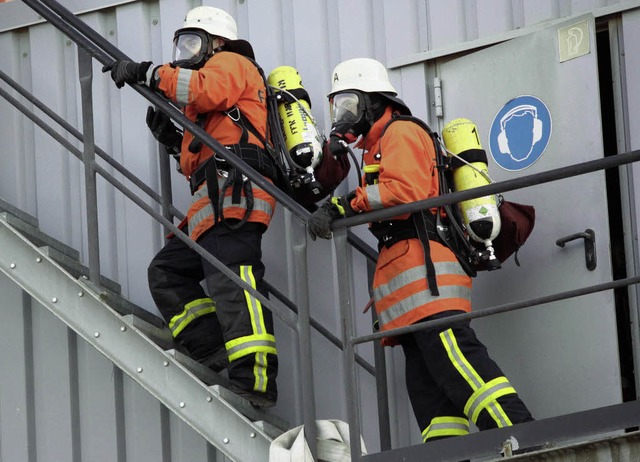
(222,91)
(450,378)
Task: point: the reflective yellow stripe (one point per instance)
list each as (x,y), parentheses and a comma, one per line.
(446,426)
(485,398)
(192,310)
(253,304)
(484,395)
(242,346)
(459,360)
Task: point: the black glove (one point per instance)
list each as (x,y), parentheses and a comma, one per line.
(319,224)
(337,144)
(164,130)
(124,71)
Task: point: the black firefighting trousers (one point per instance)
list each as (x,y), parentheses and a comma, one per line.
(230,318)
(451,380)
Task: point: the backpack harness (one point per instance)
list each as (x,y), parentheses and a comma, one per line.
(265,161)
(445,226)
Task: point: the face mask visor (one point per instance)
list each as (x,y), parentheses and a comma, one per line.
(346,108)
(190,49)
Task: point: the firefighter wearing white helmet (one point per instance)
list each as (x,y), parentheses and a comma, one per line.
(360,90)
(224,93)
(451,380)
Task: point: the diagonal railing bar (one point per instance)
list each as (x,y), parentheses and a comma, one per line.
(78,154)
(76,134)
(70,26)
(105,52)
(320,328)
(68,23)
(286,316)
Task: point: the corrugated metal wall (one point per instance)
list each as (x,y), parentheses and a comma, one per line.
(72,385)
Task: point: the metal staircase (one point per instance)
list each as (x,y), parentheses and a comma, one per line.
(135,340)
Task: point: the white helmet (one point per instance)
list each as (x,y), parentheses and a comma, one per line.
(212,20)
(364,74)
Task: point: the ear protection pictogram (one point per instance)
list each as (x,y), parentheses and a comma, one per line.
(503,142)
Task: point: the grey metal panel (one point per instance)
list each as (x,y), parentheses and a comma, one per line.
(146,421)
(540,11)
(631,36)
(17,422)
(55,425)
(401,20)
(630,76)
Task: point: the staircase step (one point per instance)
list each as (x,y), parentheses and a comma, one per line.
(270,430)
(37,237)
(277,424)
(122,305)
(77,269)
(16,212)
(160,335)
(206,375)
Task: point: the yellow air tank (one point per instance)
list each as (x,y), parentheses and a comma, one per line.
(301,136)
(481,216)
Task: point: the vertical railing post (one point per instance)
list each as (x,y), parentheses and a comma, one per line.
(382,388)
(349,354)
(88,156)
(166,194)
(299,240)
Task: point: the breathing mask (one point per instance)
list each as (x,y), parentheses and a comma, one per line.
(192,48)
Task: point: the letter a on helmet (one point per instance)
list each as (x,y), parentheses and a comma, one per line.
(364,74)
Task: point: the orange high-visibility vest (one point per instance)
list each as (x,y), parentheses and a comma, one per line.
(407,173)
(226,80)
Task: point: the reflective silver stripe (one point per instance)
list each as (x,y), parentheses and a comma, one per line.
(373,194)
(200,215)
(258,204)
(250,344)
(421,298)
(445,429)
(474,407)
(415,274)
(182,88)
(200,193)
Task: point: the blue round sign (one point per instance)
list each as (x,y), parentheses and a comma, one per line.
(520,133)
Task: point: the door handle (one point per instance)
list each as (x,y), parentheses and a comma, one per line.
(589,237)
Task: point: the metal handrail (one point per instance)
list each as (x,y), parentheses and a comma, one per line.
(129,176)
(55,14)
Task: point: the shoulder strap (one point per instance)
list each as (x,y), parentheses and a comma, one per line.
(451,234)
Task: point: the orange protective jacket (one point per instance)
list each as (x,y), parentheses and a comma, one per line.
(226,80)
(407,173)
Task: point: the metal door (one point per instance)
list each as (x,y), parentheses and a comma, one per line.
(561,357)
